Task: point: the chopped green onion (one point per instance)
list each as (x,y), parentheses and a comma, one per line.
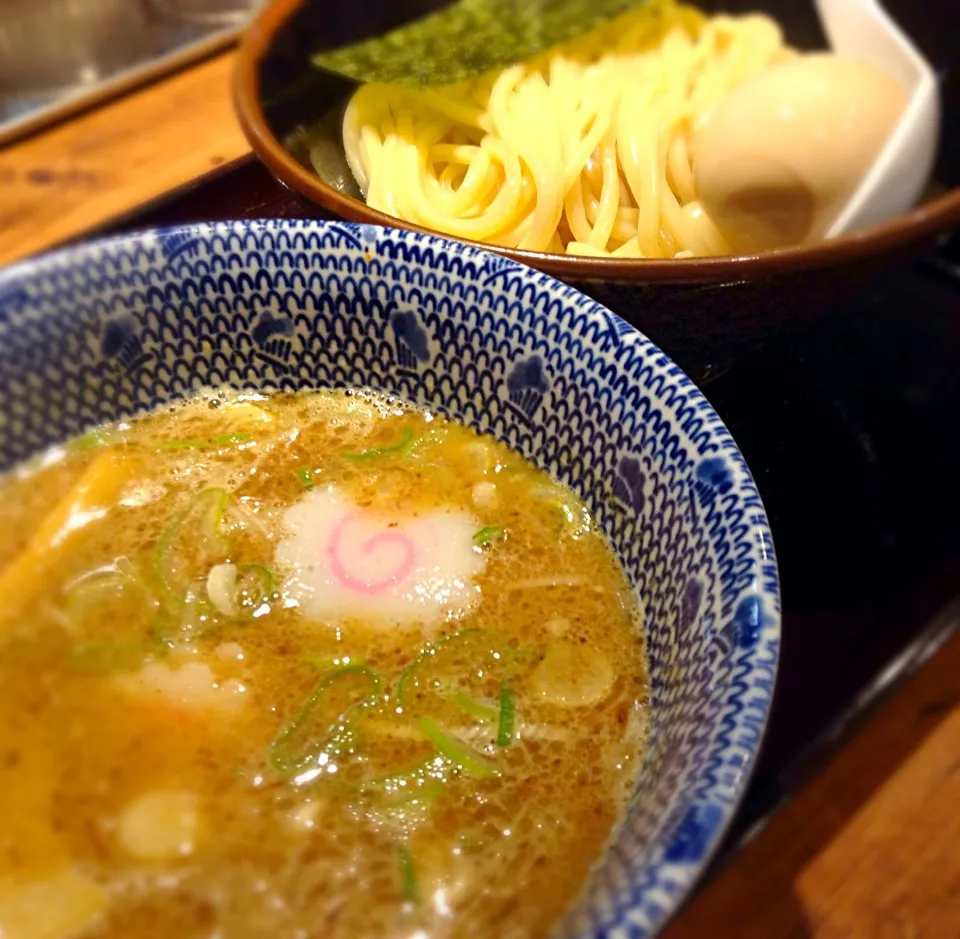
(456,752)
(401,807)
(96,590)
(572,514)
(408,875)
(105,598)
(305,475)
(472,707)
(408,674)
(255,585)
(191,618)
(220,441)
(398,448)
(488,535)
(329,662)
(211,505)
(239,590)
(508,716)
(283,751)
(160,636)
(96,438)
(109,656)
(420,782)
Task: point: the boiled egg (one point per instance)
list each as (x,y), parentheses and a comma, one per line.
(777,159)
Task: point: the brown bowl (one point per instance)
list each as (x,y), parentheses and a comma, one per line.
(704,312)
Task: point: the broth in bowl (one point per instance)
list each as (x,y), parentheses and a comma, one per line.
(314,664)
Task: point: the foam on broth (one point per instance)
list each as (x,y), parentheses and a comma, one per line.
(210,732)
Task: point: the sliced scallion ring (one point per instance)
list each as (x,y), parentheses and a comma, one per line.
(458,753)
(408,875)
(198,525)
(488,535)
(296,747)
(406,440)
(305,475)
(508,716)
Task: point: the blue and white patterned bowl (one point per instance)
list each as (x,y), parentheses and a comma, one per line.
(98,332)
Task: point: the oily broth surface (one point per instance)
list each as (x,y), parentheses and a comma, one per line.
(91,727)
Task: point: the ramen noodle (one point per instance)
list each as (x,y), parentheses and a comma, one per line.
(585,149)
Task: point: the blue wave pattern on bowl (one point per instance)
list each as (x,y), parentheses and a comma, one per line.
(111,329)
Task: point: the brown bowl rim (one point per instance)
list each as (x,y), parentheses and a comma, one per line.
(923,222)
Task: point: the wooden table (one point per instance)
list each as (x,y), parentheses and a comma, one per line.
(69,179)
(869,849)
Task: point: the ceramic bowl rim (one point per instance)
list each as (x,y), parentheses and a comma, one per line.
(921,223)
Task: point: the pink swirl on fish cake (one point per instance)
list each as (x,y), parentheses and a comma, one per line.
(370,587)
